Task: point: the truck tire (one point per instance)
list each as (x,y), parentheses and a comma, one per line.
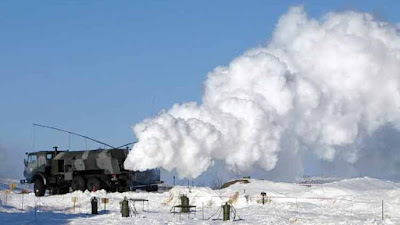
(63,190)
(152,188)
(39,187)
(93,184)
(122,187)
(78,184)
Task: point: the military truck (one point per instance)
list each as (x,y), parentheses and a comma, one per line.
(58,171)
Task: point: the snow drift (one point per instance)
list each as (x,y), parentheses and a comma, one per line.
(319,85)
(353,201)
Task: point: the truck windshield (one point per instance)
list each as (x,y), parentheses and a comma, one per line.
(49,156)
(32,158)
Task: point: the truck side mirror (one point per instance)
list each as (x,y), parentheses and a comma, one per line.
(25,162)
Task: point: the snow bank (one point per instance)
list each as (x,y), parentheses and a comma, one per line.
(351,201)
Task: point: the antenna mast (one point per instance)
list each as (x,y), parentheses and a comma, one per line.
(70,132)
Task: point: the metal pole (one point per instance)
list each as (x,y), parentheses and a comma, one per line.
(152,105)
(202,209)
(35,208)
(34,138)
(382,210)
(22,202)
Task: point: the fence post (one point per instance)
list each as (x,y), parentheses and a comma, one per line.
(74,200)
(6,194)
(382,210)
(202,209)
(22,202)
(35,207)
(23,192)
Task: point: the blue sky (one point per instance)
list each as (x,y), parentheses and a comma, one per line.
(98,67)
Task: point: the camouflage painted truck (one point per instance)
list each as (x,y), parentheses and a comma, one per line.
(58,171)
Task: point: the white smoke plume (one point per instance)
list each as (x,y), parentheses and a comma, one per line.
(319,85)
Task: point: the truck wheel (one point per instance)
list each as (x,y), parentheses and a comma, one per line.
(93,184)
(122,187)
(78,184)
(152,188)
(39,187)
(63,190)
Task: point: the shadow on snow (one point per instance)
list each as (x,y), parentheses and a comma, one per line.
(42,217)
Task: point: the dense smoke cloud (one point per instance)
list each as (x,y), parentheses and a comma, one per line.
(321,86)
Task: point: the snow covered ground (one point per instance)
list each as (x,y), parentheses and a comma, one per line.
(352,201)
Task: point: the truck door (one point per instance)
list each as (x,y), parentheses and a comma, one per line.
(42,160)
(32,163)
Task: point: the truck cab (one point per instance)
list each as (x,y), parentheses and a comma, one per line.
(37,164)
(37,170)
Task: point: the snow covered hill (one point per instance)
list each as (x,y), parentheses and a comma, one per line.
(351,201)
